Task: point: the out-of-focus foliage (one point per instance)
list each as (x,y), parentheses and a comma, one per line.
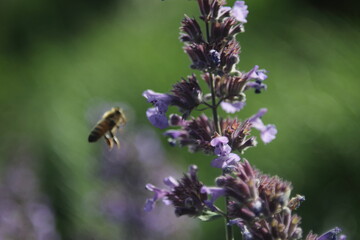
(59,59)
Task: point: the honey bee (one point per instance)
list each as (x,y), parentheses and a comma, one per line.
(107,127)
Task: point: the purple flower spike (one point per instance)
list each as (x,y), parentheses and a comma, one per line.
(225,161)
(240,12)
(215,193)
(232,107)
(267,132)
(330,235)
(158,194)
(157,118)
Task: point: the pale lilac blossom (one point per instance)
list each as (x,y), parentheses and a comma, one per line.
(240,12)
(267,132)
(232,107)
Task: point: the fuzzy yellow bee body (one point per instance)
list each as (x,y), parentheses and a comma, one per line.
(107,127)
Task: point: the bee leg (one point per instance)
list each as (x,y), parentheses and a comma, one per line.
(109,141)
(116,140)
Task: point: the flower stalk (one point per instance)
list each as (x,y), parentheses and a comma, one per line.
(260,205)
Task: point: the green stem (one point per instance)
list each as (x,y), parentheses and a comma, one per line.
(214,105)
(228,228)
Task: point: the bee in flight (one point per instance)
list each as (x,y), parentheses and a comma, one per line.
(107,127)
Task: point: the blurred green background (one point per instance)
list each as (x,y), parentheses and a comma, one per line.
(59,59)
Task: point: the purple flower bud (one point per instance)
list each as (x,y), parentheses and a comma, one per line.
(157,118)
(240,12)
(176,120)
(215,57)
(232,107)
(267,132)
(225,161)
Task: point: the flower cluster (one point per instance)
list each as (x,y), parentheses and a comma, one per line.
(259,204)
(120,202)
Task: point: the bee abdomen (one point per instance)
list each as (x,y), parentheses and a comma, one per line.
(97,133)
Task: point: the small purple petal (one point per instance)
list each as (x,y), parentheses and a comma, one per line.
(221,146)
(219,140)
(225,161)
(256,73)
(149,205)
(224,10)
(160,100)
(330,235)
(156,118)
(232,107)
(158,194)
(240,12)
(175,133)
(222,150)
(342,237)
(269,133)
(215,193)
(259,114)
(171,182)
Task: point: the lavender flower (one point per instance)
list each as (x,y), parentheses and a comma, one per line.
(239,11)
(267,132)
(232,107)
(258,76)
(332,234)
(225,158)
(185,195)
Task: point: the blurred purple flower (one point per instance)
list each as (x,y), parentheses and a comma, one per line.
(123,204)
(330,235)
(258,76)
(232,107)
(225,162)
(24,211)
(267,132)
(239,11)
